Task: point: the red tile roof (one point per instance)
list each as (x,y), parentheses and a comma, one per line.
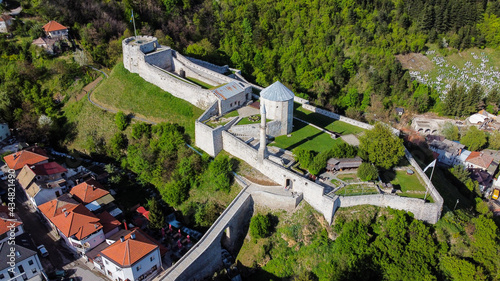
(108,221)
(17,160)
(130,251)
(79,222)
(5,17)
(480,159)
(53,26)
(46,169)
(55,207)
(7,221)
(88,191)
(143,212)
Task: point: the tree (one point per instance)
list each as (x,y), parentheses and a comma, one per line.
(121,120)
(474,138)
(381,147)
(367,172)
(141,129)
(220,173)
(303,156)
(118,143)
(260,226)
(450,131)
(156,215)
(494,140)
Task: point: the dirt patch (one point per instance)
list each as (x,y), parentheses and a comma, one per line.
(88,88)
(254,176)
(415,61)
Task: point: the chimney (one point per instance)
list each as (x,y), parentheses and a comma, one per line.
(66,214)
(132,236)
(122,239)
(64,210)
(125,224)
(93,187)
(76,181)
(95,225)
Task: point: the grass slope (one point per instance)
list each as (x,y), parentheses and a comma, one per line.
(130,93)
(324,121)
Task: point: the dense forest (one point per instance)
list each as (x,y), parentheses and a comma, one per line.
(340,54)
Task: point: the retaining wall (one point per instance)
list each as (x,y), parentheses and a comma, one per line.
(161,58)
(206,72)
(211,111)
(253,130)
(208,138)
(211,66)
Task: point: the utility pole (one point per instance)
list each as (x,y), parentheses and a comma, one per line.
(455,206)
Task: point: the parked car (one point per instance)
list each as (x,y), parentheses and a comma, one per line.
(43,251)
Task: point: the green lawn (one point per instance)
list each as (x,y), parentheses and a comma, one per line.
(400,179)
(356,189)
(347,177)
(325,122)
(130,93)
(201,83)
(306,137)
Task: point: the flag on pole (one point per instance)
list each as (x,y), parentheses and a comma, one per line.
(132,16)
(432,164)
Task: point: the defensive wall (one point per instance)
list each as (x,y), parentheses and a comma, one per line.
(253,130)
(211,66)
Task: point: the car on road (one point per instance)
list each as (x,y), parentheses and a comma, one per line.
(43,251)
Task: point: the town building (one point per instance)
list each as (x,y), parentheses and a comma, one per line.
(17,160)
(5,23)
(92,195)
(53,29)
(27,265)
(134,256)
(47,43)
(481,160)
(42,182)
(448,151)
(8,221)
(232,95)
(400,111)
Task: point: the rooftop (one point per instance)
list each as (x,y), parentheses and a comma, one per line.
(17,160)
(49,168)
(134,247)
(229,90)
(480,159)
(88,191)
(277,92)
(6,220)
(21,252)
(79,222)
(53,26)
(57,206)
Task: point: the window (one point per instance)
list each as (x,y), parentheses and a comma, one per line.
(33,270)
(109,272)
(30,262)
(11,274)
(152,258)
(138,268)
(21,269)
(106,262)
(2,276)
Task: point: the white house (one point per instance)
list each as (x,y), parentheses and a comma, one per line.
(448,151)
(53,29)
(232,95)
(27,265)
(5,22)
(133,257)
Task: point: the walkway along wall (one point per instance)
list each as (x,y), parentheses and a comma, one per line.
(204,258)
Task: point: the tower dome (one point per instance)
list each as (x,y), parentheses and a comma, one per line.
(277,92)
(278,101)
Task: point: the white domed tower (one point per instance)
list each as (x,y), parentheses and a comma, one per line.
(278,101)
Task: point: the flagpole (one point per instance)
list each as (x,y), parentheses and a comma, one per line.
(133,20)
(430,179)
(433,167)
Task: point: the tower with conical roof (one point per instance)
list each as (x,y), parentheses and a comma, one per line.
(263,138)
(278,100)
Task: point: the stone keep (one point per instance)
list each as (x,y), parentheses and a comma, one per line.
(278,101)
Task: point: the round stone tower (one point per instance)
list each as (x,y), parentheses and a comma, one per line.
(278,101)
(134,49)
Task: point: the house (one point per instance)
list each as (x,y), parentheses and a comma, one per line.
(47,43)
(9,222)
(231,96)
(79,228)
(110,225)
(17,160)
(42,182)
(135,256)
(448,151)
(92,195)
(334,164)
(53,29)
(27,265)
(484,179)
(481,160)
(400,111)
(5,23)
(4,131)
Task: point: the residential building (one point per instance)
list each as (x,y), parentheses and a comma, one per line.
(481,160)
(334,164)
(47,43)
(18,160)
(79,228)
(400,111)
(4,131)
(27,265)
(92,195)
(448,151)
(134,256)
(53,29)
(110,225)
(5,23)
(42,182)
(8,221)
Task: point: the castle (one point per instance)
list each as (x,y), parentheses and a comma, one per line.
(177,75)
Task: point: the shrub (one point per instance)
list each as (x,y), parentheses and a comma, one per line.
(121,120)
(367,172)
(260,226)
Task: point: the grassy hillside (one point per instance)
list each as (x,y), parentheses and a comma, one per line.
(130,93)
